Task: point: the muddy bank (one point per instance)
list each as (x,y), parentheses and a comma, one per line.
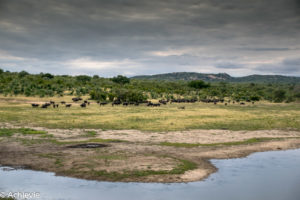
(134,157)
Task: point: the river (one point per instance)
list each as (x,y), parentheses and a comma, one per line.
(273,175)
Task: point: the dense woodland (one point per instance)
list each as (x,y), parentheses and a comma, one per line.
(125,89)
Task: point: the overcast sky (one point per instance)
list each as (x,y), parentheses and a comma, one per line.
(134,37)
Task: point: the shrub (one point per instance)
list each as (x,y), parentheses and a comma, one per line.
(121,79)
(198,84)
(279,96)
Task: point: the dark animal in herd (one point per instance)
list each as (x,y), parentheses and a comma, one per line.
(153,104)
(45,105)
(35,105)
(86,102)
(163,101)
(148,103)
(75,99)
(116,103)
(183,100)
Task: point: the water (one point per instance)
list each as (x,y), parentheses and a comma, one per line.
(261,176)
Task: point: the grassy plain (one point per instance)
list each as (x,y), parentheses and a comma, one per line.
(260,116)
(162,148)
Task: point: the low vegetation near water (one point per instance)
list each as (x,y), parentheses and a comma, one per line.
(248,141)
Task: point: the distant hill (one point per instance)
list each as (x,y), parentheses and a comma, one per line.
(188,76)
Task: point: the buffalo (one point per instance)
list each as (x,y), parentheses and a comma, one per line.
(68,105)
(45,105)
(117,102)
(163,102)
(83,105)
(35,105)
(75,99)
(153,104)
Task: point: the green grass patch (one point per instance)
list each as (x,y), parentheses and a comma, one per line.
(90,134)
(261,116)
(184,166)
(47,136)
(6,198)
(25,131)
(28,131)
(245,142)
(4,132)
(58,162)
(106,140)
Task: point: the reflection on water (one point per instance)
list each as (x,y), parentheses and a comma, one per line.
(260,176)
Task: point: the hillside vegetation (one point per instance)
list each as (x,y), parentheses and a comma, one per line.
(134,90)
(188,76)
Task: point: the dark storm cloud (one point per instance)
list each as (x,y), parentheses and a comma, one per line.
(130,37)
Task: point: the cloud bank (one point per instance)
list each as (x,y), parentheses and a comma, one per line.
(134,37)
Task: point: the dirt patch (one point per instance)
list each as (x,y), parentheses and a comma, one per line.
(88,145)
(141,158)
(191,136)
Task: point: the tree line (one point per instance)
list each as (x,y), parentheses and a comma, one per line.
(125,89)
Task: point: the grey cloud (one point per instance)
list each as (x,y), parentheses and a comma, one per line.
(229,66)
(286,67)
(52,32)
(266,49)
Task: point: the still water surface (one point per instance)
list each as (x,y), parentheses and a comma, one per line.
(260,176)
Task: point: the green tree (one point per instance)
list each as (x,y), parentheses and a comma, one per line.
(83,78)
(279,96)
(23,74)
(47,76)
(121,79)
(98,95)
(198,84)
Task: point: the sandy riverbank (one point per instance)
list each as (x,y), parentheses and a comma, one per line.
(131,155)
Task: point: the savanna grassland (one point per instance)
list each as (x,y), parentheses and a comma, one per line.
(169,142)
(258,116)
(140,143)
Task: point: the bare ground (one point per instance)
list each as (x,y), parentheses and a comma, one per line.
(140,157)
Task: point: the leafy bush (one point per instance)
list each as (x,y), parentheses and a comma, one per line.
(198,84)
(121,79)
(279,96)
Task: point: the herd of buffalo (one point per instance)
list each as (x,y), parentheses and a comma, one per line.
(85,103)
